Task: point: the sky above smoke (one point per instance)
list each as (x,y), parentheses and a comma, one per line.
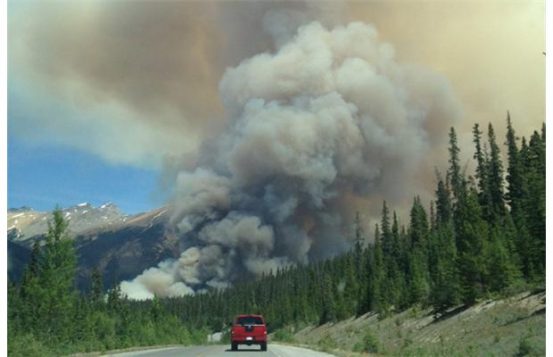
(273,121)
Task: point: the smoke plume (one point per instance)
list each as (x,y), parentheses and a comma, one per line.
(328,117)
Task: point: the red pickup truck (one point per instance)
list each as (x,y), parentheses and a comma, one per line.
(249,330)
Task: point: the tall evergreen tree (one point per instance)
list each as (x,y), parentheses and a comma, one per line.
(328,311)
(358,248)
(419,224)
(445,291)
(386,237)
(444,213)
(96,286)
(433,221)
(418,276)
(535,204)
(471,231)
(49,288)
(495,178)
(481,165)
(516,185)
(454,173)
(501,268)
(377,275)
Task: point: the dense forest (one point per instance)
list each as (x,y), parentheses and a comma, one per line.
(483,235)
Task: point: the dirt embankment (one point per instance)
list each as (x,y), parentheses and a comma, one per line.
(512,326)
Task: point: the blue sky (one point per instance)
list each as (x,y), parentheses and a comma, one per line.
(45,176)
(49,164)
(61,153)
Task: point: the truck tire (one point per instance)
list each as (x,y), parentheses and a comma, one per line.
(234,346)
(264,346)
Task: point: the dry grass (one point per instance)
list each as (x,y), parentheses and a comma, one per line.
(513,326)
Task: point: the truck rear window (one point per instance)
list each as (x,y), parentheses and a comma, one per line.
(249,320)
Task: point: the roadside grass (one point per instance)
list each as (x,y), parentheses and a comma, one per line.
(284,334)
(369,343)
(28,345)
(512,326)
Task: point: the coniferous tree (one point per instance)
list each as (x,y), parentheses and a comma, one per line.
(516,185)
(535,204)
(48,288)
(386,230)
(471,232)
(501,268)
(377,275)
(350,286)
(444,213)
(445,291)
(328,310)
(418,225)
(97,286)
(481,172)
(358,250)
(495,178)
(418,277)
(454,173)
(433,220)
(517,196)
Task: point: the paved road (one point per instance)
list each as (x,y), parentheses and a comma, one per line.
(273,350)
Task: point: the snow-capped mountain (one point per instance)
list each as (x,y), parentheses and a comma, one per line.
(120,245)
(25,223)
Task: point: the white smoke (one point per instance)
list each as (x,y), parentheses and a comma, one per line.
(329,115)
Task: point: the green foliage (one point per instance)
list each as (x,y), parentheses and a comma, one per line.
(327,344)
(283,335)
(528,347)
(26,345)
(369,343)
(47,292)
(494,187)
(471,232)
(454,173)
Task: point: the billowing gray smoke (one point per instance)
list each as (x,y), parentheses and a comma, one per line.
(330,116)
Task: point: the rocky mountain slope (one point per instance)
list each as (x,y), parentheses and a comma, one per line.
(121,246)
(25,224)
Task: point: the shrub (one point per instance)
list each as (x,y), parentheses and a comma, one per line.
(369,343)
(27,345)
(327,344)
(283,335)
(527,348)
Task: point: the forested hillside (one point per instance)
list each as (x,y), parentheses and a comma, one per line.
(483,235)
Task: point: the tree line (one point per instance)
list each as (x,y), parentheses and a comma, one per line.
(482,235)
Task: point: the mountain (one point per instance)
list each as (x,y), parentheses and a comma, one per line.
(26,224)
(120,246)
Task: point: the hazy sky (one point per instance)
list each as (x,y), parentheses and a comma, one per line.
(98,91)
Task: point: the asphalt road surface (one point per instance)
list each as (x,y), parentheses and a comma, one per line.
(273,350)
